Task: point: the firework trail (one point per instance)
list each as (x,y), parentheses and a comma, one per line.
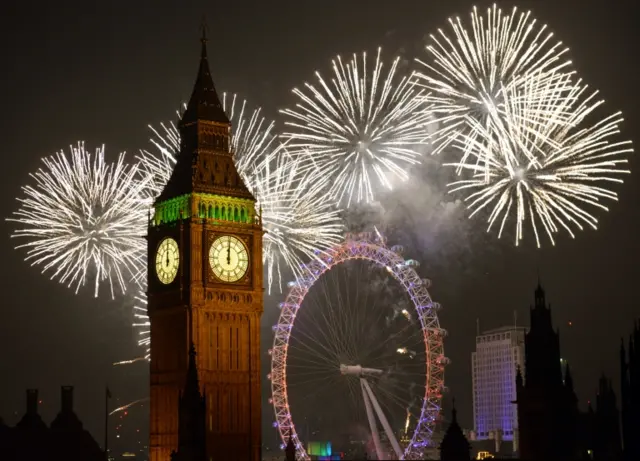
(361,126)
(543,171)
(83,217)
(468,72)
(128,405)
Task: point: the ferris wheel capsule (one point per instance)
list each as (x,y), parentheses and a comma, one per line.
(398,249)
(426,283)
(412,263)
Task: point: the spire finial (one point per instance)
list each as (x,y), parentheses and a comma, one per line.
(204,28)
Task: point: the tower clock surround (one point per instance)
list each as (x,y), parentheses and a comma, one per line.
(167,260)
(211,291)
(228,258)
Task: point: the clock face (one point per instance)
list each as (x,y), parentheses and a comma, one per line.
(167,260)
(228,258)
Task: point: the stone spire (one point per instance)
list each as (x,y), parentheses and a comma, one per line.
(454,445)
(192,444)
(204,103)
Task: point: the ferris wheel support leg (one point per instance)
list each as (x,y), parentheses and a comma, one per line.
(372,422)
(383,420)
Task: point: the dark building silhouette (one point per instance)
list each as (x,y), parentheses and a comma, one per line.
(547,405)
(290,449)
(587,432)
(454,445)
(192,414)
(606,441)
(630,396)
(32,440)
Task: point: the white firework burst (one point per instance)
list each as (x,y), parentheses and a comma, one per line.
(83,218)
(550,172)
(468,72)
(295,213)
(361,126)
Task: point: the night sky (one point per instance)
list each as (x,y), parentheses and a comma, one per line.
(101,72)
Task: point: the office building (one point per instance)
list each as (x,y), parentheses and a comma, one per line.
(498,355)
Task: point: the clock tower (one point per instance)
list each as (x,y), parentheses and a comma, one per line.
(205,286)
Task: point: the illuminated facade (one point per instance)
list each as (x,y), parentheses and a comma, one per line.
(205,287)
(494,365)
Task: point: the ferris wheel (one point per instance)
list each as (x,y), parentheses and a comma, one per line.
(361,360)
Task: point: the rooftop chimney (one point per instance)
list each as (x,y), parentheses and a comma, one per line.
(32,401)
(66,397)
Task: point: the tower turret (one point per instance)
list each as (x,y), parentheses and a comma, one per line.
(290,449)
(192,443)
(454,445)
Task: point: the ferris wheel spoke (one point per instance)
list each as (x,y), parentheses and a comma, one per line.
(392,337)
(326,329)
(321,390)
(319,343)
(335,321)
(309,349)
(391,397)
(312,367)
(308,381)
(306,349)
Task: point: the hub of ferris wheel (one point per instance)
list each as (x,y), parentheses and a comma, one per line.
(371,404)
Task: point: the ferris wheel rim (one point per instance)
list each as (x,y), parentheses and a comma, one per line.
(362,247)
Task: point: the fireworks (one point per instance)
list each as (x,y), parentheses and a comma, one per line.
(545,171)
(287,188)
(468,74)
(83,217)
(143,324)
(359,126)
(298,219)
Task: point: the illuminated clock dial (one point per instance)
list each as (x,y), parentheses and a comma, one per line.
(228,258)
(167,260)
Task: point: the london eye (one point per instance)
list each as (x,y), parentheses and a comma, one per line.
(358,357)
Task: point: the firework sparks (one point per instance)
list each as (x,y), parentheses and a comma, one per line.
(83,217)
(545,171)
(143,324)
(466,75)
(359,126)
(298,219)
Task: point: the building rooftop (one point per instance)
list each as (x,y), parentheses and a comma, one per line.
(502,330)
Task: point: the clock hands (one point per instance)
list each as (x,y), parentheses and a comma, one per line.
(229,251)
(167,252)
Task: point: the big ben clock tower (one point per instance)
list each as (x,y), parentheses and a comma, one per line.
(205,286)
